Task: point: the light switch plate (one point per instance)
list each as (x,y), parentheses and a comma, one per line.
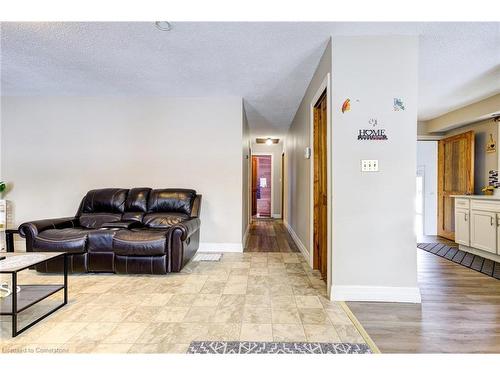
(369,165)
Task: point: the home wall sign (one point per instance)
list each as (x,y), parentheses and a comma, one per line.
(372,134)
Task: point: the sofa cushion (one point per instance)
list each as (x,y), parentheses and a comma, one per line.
(171,200)
(140,242)
(96,220)
(163,220)
(71,240)
(105,200)
(101,240)
(137,200)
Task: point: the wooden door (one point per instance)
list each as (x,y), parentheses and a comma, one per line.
(254,185)
(320,187)
(455,177)
(283,186)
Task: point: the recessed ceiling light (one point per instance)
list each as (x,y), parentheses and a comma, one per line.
(163,25)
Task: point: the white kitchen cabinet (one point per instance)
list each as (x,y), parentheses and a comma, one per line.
(462,227)
(483,230)
(477,225)
(498,233)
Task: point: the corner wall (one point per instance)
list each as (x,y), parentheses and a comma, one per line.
(373,240)
(55,149)
(298,168)
(246,179)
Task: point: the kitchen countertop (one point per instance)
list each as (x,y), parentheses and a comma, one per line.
(484,197)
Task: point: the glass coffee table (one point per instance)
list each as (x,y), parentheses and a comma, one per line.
(30,294)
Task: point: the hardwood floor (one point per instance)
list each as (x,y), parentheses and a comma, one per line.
(460,313)
(269,235)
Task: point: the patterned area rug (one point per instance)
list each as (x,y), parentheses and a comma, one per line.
(253,347)
(475,262)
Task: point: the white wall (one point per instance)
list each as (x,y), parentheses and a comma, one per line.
(373,240)
(54,149)
(427,158)
(298,168)
(276,150)
(246,178)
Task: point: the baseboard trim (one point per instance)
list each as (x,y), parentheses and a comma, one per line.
(297,241)
(221,247)
(481,253)
(375,293)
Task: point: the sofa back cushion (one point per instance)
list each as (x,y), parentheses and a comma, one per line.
(105,200)
(171,200)
(137,200)
(136,204)
(102,206)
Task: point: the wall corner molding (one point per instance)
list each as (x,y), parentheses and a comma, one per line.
(297,241)
(245,236)
(369,293)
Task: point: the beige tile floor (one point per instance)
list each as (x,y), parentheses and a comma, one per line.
(246,297)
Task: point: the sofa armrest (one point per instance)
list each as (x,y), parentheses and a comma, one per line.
(32,228)
(187,227)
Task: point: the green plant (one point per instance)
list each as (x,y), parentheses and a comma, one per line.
(2,186)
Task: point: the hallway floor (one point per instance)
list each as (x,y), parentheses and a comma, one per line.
(269,235)
(460,312)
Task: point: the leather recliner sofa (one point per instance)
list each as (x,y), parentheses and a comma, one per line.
(139,231)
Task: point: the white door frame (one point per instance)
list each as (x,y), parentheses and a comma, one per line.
(325,85)
(272,178)
(421,173)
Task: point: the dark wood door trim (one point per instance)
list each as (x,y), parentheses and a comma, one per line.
(283,186)
(320,186)
(254,185)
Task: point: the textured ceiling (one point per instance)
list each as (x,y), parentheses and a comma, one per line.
(268,64)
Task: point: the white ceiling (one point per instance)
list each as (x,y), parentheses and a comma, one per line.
(268,64)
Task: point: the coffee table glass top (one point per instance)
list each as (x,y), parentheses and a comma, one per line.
(15,262)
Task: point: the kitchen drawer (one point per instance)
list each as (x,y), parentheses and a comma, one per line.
(462,203)
(484,205)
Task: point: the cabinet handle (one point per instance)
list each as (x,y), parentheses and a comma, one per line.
(491,221)
(466,217)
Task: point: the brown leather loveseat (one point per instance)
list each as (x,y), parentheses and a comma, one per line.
(139,230)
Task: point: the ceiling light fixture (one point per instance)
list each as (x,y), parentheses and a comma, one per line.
(268,141)
(163,25)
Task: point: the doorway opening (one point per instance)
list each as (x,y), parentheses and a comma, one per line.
(320,182)
(262,186)
(426,187)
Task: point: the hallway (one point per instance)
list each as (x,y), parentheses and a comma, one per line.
(269,235)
